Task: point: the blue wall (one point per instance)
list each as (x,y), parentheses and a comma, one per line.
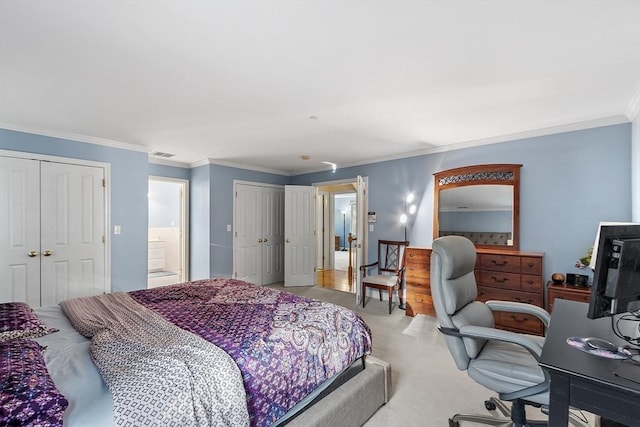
(569,182)
(212,210)
(129,171)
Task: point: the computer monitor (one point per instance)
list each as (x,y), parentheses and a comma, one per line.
(616,281)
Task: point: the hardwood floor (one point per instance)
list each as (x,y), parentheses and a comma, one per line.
(335,279)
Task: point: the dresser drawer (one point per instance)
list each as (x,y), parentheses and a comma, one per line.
(418,255)
(499,279)
(497,262)
(156,264)
(519,322)
(156,253)
(416,270)
(530,283)
(486,294)
(419,301)
(155,245)
(530,265)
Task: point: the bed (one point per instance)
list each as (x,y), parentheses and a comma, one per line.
(211,352)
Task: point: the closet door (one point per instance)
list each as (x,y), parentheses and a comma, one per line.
(20,230)
(259,234)
(73,230)
(273,235)
(248,233)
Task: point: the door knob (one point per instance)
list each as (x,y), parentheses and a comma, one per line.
(265,240)
(47,253)
(259,240)
(287,241)
(33,253)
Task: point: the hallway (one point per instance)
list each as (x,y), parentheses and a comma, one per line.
(337,279)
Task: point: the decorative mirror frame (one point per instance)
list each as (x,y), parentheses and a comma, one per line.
(492,174)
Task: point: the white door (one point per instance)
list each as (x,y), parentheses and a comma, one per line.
(272,235)
(361,233)
(299,233)
(20,230)
(52,235)
(248,233)
(72,232)
(259,234)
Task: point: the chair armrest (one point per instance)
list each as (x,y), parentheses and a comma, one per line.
(363,268)
(507,336)
(520,307)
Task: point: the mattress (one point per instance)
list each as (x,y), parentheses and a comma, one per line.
(71,367)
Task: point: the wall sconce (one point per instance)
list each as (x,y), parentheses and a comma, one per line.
(409,209)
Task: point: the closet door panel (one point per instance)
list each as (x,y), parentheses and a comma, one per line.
(20,230)
(273,232)
(248,233)
(72,232)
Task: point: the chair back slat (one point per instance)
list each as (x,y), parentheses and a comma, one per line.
(391,256)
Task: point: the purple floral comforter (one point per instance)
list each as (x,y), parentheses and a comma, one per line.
(285,345)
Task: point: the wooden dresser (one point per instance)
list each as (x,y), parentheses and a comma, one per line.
(500,275)
(564,291)
(512,276)
(417,271)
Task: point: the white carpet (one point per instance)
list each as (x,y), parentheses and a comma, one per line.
(421,326)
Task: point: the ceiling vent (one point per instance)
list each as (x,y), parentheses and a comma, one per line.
(161,154)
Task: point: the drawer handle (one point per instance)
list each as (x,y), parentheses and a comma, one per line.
(530,265)
(501,264)
(530,282)
(519,300)
(518,320)
(495,279)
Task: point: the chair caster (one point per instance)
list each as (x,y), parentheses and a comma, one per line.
(489,405)
(453,423)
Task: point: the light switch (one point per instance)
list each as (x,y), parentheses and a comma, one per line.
(116,229)
(228,227)
(370,227)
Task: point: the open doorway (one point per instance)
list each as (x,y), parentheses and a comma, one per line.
(167,237)
(337,211)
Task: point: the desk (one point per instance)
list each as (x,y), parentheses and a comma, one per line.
(582,380)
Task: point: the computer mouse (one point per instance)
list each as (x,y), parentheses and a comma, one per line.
(600,344)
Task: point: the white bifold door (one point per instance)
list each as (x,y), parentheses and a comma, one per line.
(52,231)
(259,233)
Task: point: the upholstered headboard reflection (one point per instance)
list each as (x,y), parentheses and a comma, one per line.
(482,237)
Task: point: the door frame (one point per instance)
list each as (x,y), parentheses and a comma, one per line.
(328,242)
(184,220)
(106,167)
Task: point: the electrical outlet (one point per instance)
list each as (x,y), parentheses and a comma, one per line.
(228,227)
(117,229)
(370,227)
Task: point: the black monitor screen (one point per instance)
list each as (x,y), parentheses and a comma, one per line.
(616,281)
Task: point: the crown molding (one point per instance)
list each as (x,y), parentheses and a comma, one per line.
(633,110)
(238,166)
(167,162)
(607,121)
(76,137)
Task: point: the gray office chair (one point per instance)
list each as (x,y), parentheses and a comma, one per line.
(502,361)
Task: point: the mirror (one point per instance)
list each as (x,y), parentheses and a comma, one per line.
(479,202)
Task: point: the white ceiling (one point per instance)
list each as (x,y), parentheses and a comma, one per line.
(236,82)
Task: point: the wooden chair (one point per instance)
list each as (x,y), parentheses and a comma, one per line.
(390,268)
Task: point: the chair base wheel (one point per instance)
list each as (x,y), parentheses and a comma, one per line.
(489,405)
(453,423)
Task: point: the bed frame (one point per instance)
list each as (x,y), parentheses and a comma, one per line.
(352,403)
